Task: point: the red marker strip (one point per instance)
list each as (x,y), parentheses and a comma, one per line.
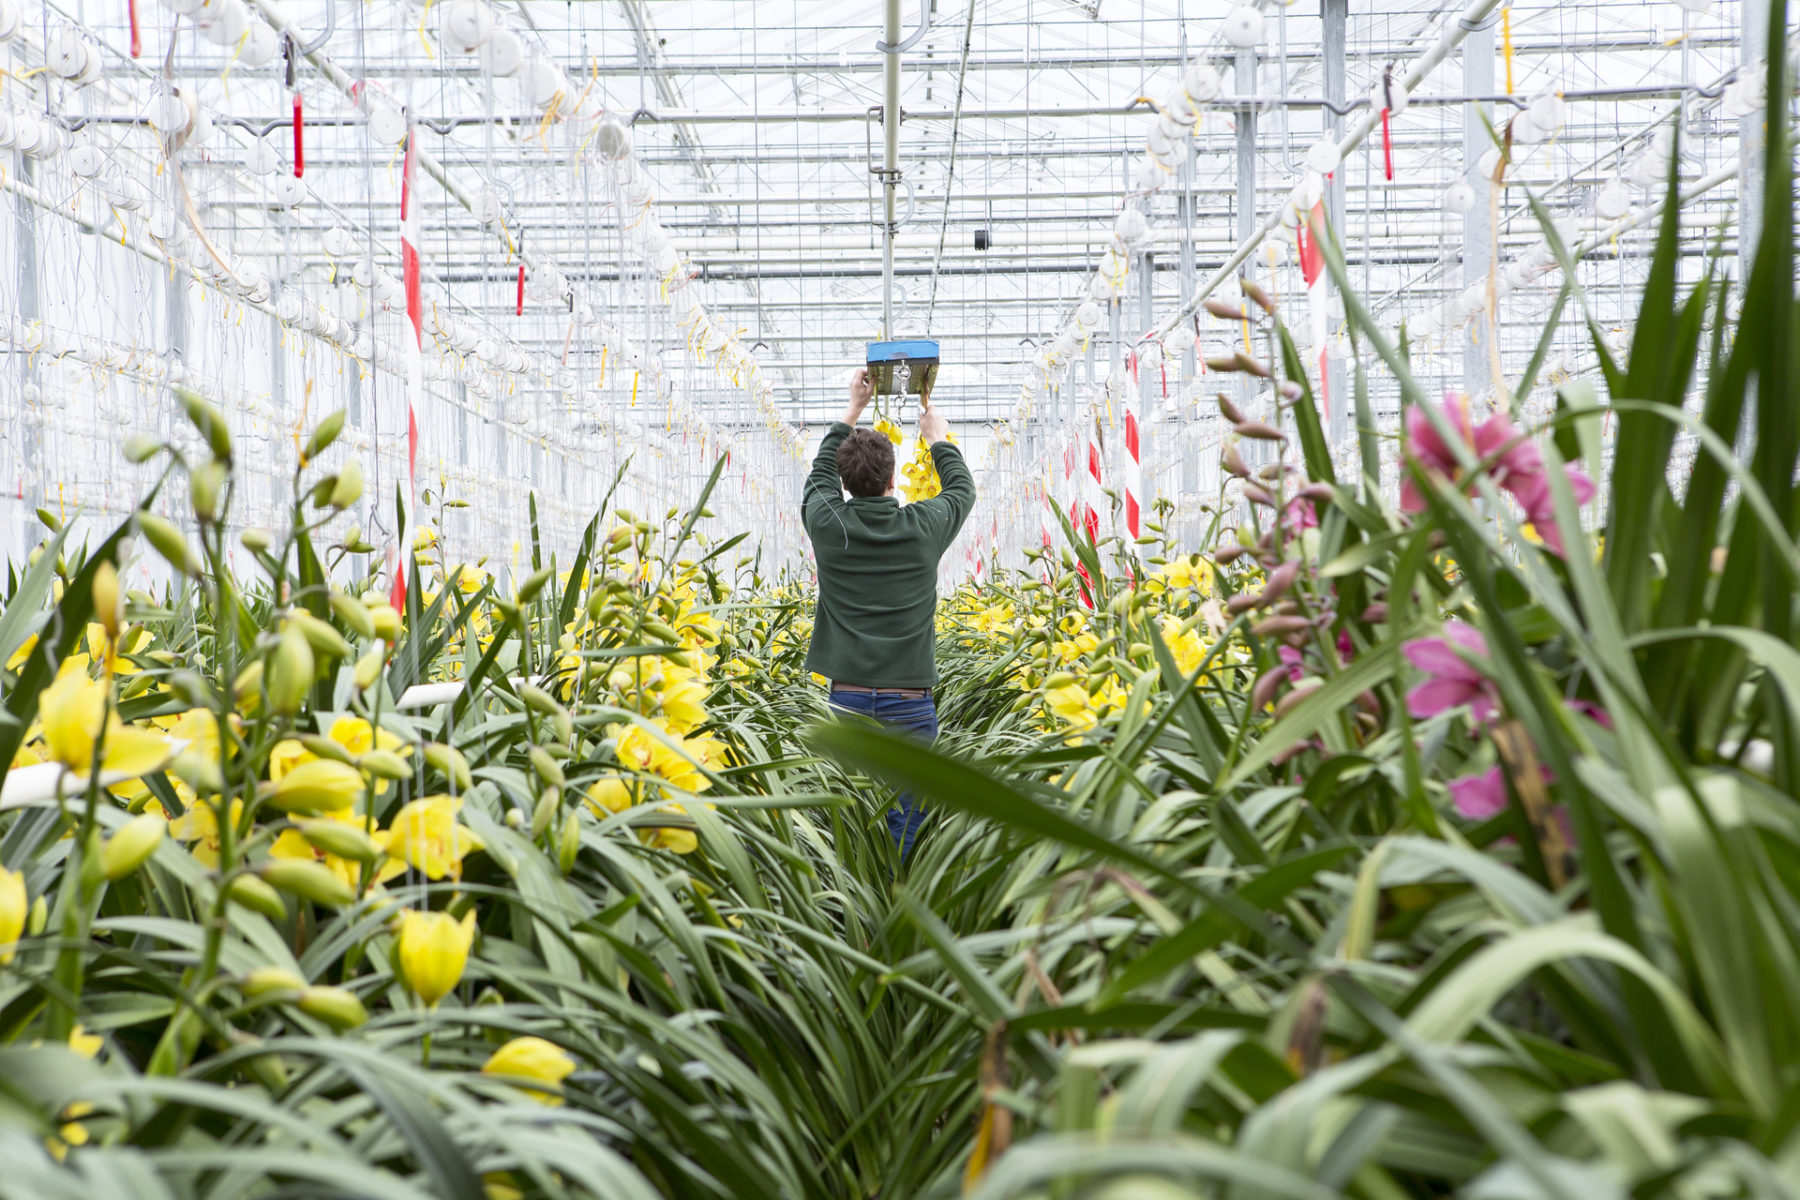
(519,306)
(1387,145)
(137,43)
(299,139)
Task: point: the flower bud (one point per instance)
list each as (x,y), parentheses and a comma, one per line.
(139,448)
(132,843)
(534,583)
(570,844)
(168,542)
(352,612)
(324,747)
(1224,311)
(93,869)
(539,699)
(386,621)
(324,640)
(205,483)
(257,896)
(246,689)
(1256,294)
(208,420)
(368,668)
(385,764)
(1286,704)
(323,434)
(256,540)
(320,785)
(291,671)
(449,762)
(1266,686)
(1261,430)
(349,486)
(264,981)
(339,838)
(109,605)
(545,811)
(1280,580)
(337,1007)
(312,881)
(546,767)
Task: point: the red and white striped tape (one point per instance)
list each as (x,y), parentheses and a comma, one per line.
(1134,473)
(1094,497)
(415,361)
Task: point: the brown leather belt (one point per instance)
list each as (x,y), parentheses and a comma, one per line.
(903,692)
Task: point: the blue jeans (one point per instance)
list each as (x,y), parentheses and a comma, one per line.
(898,712)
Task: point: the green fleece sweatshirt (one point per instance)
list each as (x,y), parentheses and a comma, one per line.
(877,563)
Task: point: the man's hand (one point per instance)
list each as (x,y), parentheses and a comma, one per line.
(932,426)
(861,392)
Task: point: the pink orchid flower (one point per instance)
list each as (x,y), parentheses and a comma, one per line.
(1534,496)
(1479,797)
(1453,680)
(1299,516)
(1482,797)
(1517,457)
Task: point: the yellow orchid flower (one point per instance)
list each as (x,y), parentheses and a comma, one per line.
(20,656)
(431,951)
(642,751)
(74,713)
(426,835)
(200,825)
(535,1059)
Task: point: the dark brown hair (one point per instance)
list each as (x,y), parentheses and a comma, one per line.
(865,462)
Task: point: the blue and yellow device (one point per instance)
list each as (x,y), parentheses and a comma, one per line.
(904,368)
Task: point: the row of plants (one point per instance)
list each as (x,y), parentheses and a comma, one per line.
(1413,846)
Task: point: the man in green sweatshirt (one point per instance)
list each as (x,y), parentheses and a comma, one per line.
(875,630)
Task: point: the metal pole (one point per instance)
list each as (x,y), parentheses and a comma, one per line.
(890,134)
(1246,186)
(1478,79)
(1335,19)
(1753,49)
(1186,270)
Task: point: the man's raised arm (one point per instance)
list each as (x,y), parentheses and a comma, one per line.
(822,480)
(956,494)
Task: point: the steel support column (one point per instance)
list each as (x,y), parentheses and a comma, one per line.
(1334,18)
(890,161)
(1478,79)
(1753,136)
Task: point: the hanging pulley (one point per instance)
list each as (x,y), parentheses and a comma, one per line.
(904,368)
